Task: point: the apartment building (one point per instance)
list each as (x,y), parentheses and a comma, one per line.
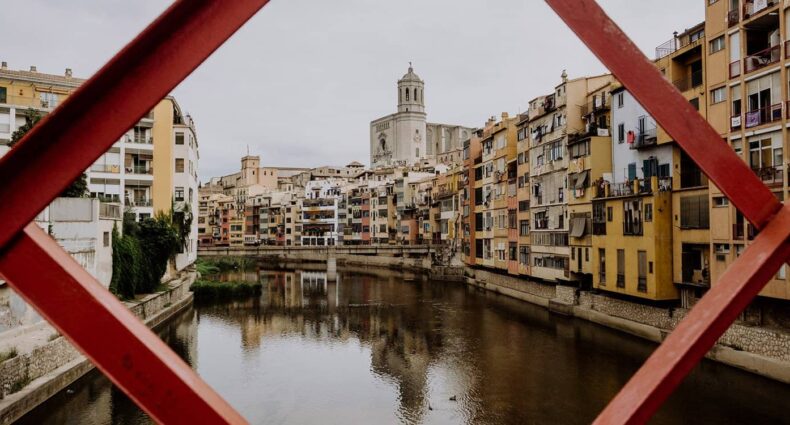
(153,167)
(499,166)
(321,225)
(746,82)
(632,207)
(589,158)
(523,192)
(552,118)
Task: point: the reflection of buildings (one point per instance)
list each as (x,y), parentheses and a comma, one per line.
(379,311)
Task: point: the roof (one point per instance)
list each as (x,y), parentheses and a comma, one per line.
(410,75)
(42,78)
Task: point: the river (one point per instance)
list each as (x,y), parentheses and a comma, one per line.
(383,347)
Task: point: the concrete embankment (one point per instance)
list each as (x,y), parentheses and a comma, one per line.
(756,349)
(39,372)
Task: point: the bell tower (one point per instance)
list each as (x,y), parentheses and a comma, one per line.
(411,92)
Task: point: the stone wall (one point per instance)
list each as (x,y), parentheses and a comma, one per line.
(499,282)
(17,372)
(661,318)
(566,295)
(758,340)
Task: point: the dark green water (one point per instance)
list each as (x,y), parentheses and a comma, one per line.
(384,348)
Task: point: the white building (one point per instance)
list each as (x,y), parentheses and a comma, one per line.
(83,227)
(321,225)
(635,153)
(406,138)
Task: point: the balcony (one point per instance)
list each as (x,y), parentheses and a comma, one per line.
(754,7)
(140,202)
(736,121)
(140,169)
(644,139)
(764,115)
(690,82)
(763,58)
(733,17)
(735,68)
(675,44)
(599,104)
(771,176)
(106,168)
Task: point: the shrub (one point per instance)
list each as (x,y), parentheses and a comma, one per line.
(140,256)
(213,290)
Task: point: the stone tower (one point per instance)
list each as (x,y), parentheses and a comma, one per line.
(411,92)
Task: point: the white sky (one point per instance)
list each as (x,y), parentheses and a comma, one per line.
(300,83)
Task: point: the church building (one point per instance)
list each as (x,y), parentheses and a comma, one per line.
(406,138)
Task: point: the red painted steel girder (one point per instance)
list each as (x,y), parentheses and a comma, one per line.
(710,318)
(143,366)
(60,148)
(669,108)
(665,369)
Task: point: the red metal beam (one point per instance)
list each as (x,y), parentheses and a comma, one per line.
(60,148)
(706,322)
(66,142)
(711,317)
(115,341)
(669,108)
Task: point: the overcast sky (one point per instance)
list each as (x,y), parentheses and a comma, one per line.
(300,83)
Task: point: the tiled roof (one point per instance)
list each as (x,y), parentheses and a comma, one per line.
(42,78)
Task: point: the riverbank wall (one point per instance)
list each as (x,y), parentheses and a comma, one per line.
(37,373)
(761,350)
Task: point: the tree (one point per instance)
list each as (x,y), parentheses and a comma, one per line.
(32,117)
(79,187)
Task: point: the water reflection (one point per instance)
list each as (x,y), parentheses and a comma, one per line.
(385,347)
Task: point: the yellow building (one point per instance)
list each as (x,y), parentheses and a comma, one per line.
(632,229)
(589,157)
(683,61)
(747,85)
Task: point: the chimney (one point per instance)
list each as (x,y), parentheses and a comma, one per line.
(32,68)
(68,72)
(4,65)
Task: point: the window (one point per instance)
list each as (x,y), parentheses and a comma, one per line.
(620,133)
(523,255)
(179,138)
(621,268)
(642,269)
(648,212)
(694,212)
(720,201)
(609,213)
(717,44)
(695,103)
(620,100)
(179,194)
(602,265)
(599,219)
(48,100)
(523,227)
(106,239)
(718,95)
(3,95)
(179,165)
(632,217)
